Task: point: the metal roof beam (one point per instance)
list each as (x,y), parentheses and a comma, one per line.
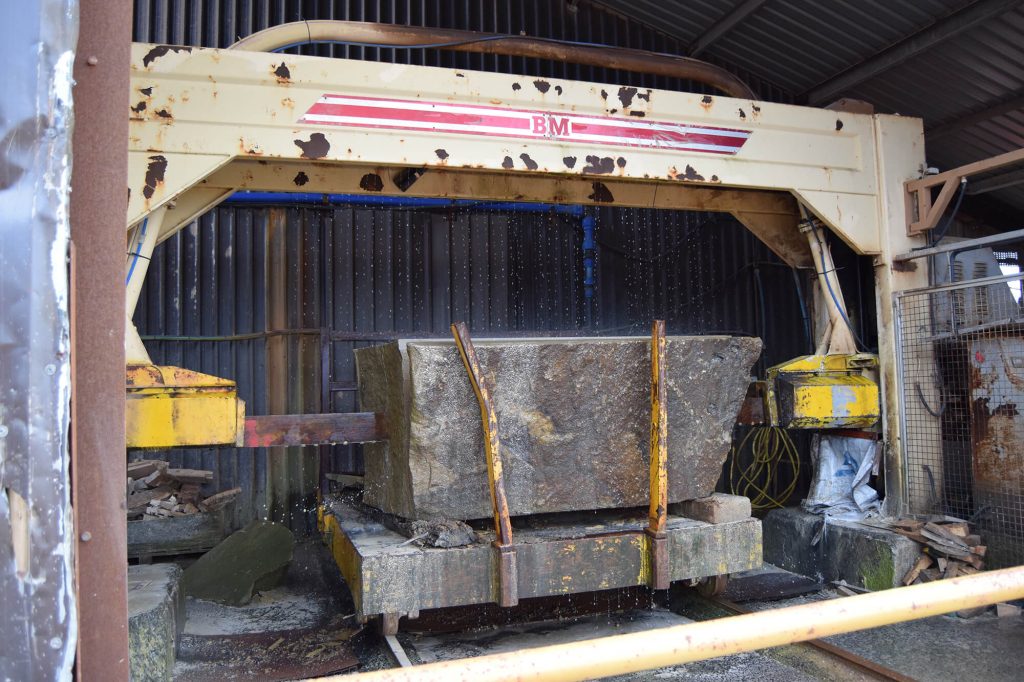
(899,52)
(985,112)
(1001,181)
(724,25)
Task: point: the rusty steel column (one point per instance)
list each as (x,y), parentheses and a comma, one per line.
(98,206)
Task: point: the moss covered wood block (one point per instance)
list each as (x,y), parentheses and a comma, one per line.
(573,415)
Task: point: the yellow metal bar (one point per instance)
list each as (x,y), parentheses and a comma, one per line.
(622,654)
(508,579)
(659,431)
(658,514)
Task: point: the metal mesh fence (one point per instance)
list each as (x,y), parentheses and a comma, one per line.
(961,358)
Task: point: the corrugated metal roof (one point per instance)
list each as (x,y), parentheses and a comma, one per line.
(800,44)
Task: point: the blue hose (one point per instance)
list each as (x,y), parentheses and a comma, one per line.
(138,251)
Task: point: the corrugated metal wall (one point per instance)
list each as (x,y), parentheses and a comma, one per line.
(247,292)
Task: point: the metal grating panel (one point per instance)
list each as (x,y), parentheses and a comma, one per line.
(961,349)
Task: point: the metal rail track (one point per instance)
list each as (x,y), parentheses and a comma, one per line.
(847,657)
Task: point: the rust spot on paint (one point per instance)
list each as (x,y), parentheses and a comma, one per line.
(163,113)
(706,101)
(441,154)
(155,172)
(284,76)
(558,89)
(508,163)
(599,165)
(714,178)
(459,75)
(371,182)
(147,91)
(604,95)
(315,148)
(569,161)
(160,51)
(692,174)
(601,194)
(839,125)
(613,111)
(530,163)
(517,86)
(300,179)
(140,107)
(645,96)
(626,96)
(638,114)
(743,114)
(757,109)
(542,85)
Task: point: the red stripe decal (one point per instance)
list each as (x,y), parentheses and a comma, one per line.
(471,119)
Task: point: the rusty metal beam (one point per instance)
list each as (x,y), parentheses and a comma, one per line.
(99,179)
(507,571)
(724,25)
(944,29)
(985,112)
(268,431)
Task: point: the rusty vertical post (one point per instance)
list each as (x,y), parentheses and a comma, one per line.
(658,515)
(507,573)
(99,180)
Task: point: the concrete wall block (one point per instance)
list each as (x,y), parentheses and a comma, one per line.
(866,557)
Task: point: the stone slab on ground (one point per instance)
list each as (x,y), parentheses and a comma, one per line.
(251,559)
(863,556)
(156,615)
(573,415)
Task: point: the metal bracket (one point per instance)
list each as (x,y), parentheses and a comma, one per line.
(658,516)
(508,582)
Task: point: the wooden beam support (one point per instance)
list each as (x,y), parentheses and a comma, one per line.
(724,25)
(928,212)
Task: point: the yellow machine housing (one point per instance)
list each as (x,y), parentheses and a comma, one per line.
(176,407)
(823,392)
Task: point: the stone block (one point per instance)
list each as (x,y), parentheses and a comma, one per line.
(156,616)
(252,559)
(715,508)
(868,557)
(573,415)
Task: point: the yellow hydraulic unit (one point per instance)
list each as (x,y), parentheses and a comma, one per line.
(177,407)
(823,392)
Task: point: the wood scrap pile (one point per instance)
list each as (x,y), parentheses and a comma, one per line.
(949,548)
(157,491)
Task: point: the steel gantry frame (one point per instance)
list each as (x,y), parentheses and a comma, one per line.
(205,123)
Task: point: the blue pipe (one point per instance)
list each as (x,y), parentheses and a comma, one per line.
(397,202)
(589,247)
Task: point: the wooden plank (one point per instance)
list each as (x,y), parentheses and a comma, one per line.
(313,429)
(922,563)
(144,467)
(191,475)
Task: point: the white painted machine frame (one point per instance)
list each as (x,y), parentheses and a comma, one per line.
(206,123)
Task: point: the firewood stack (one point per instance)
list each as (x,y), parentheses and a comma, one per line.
(156,491)
(950,550)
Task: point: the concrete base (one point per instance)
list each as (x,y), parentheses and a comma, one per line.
(866,557)
(567,554)
(156,616)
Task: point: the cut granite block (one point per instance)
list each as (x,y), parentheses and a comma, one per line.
(573,416)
